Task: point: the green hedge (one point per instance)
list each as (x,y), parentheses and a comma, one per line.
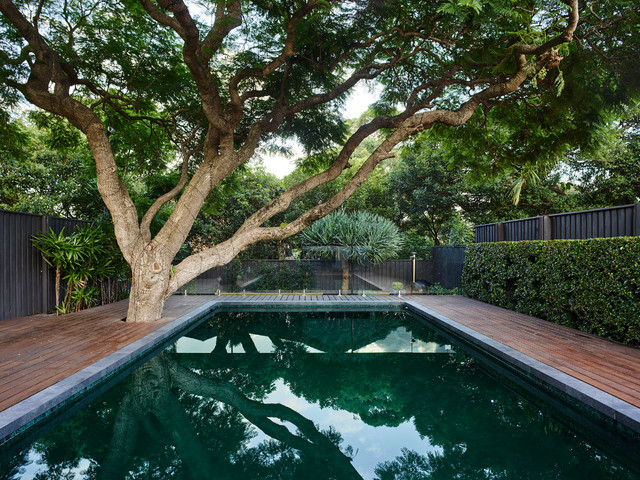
(592,285)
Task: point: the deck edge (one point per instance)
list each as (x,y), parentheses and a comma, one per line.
(603,402)
(20,416)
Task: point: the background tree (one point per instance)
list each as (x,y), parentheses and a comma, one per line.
(426,191)
(47,169)
(359,236)
(133,77)
(240,195)
(612,177)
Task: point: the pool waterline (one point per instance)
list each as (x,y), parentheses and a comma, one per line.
(23,416)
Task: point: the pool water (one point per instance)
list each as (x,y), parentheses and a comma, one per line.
(311,395)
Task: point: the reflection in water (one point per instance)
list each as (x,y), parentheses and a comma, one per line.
(399,340)
(289,414)
(152,406)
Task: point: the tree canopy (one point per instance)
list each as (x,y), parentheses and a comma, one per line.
(200,88)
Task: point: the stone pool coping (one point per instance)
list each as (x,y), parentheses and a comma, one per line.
(40,406)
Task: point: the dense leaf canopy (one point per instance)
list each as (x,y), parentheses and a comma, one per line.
(199,88)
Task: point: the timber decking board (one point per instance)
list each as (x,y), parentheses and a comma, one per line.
(38,351)
(606,365)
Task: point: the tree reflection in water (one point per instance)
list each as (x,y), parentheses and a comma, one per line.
(193,416)
(151,405)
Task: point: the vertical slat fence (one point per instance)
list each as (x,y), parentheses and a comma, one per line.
(618,221)
(26,281)
(447,266)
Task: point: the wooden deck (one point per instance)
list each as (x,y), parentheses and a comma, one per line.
(38,351)
(606,365)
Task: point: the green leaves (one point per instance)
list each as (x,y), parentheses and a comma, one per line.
(456,7)
(355,236)
(425,189)
(592,285)
(84,258)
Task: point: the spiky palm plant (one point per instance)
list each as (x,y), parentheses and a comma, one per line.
(356,236)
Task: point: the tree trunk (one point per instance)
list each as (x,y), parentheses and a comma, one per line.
(149,288)
(345,276)
(57,287)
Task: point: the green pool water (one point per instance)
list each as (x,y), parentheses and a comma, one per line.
(313,395)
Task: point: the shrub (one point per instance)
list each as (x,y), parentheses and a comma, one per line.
(294,275)
(85,260)
(592,285)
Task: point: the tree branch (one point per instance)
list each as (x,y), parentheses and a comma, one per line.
(273,65)
(171,194)
(162,18)
(564,37)
(314,443)
(196,61)
(222,26)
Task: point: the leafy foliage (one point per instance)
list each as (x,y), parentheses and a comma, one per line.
(592,285)
(45,169)
(613,176)
(227,207)
(566,107)
(425,189)
(83,259)
(355,236)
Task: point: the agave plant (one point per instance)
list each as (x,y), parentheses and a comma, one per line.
(357,236)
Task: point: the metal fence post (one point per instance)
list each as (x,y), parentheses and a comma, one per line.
(636,220)
(499,232)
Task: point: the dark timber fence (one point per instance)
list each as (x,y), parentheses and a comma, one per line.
(26,281)
(619,221)
(447,266)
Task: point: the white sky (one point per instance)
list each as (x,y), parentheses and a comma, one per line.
(358,101)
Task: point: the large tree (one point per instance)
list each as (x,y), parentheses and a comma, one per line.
(219,83)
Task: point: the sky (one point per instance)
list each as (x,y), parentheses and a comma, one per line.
(356,104)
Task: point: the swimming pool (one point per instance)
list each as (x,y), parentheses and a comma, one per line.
(308,394)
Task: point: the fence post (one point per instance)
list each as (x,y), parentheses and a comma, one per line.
(636,220)
(545,228)
(499,232)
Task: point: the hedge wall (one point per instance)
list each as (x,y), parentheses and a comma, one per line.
(592,285)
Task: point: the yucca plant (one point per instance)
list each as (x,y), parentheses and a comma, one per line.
(357,236)
(60,251)
(82,258)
